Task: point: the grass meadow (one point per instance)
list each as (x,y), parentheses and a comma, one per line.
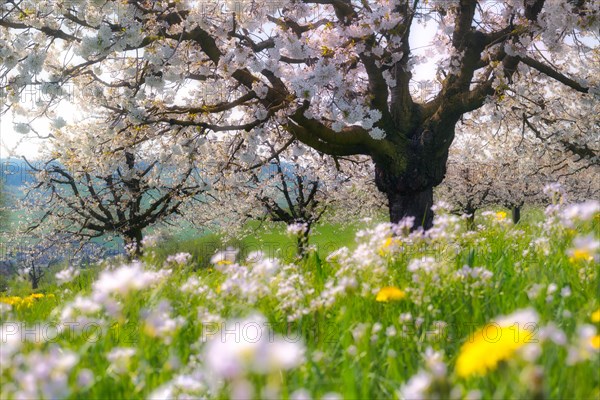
(373,311)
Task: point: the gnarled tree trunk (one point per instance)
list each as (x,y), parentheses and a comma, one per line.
(302,242)
(416,205)
(133,239)
(408,180)
(516,214)
(471,218)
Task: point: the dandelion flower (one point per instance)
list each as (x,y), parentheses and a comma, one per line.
(388,246)
(251,348)
(586,345)
(495,342)
(501,215)
(226,257)
(596,315)
(583,249)
(595,342)
(390,293)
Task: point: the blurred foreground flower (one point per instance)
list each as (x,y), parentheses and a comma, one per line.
(179,258)
(586,345)
(23,302)
(430,383)
(497,341)
(66,275)
(120,359)
(390,293)
(125,279)
(248,346)
(296,229)
(225,257)
(584,249)
(595,342)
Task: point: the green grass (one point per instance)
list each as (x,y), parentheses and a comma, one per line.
(268,237)
(338,359)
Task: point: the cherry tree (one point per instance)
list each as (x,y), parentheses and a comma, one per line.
(289,193)
(505,165)
(295,185)
(334,74)
(582,185)
(91,186)
(467,187)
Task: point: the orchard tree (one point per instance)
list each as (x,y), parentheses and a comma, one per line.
(334,74)
(506,166)
(490,166)
(3,205)
(92,186)
(582,185)
(467,187)
(295,185)
(289,193)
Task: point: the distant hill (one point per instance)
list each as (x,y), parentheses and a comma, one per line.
(16,172)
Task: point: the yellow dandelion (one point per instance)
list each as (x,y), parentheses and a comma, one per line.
(390,293)
(596,315)
(494,343)
(578,255)
(387,245)
(595,342)
(224,262)
(11,300)
(583,250)
(20,302)
(383,249)
(501,215)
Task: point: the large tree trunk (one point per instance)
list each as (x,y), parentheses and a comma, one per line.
(408,178)
(133,239)
(471,219)
(516,214)
(302,239)
(416,205)
(302,244)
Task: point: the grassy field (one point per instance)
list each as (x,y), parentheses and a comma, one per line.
(505,311)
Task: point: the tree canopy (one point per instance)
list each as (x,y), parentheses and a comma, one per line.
(336,75)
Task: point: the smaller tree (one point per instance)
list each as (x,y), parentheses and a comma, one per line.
(582,184)
(294,185)
(34,273)
(467,187)
(93,186)
(290,194)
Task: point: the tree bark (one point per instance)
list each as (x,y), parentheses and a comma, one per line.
(134,238)
(471,220)
(302,242)
(516,214)
(416,205)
